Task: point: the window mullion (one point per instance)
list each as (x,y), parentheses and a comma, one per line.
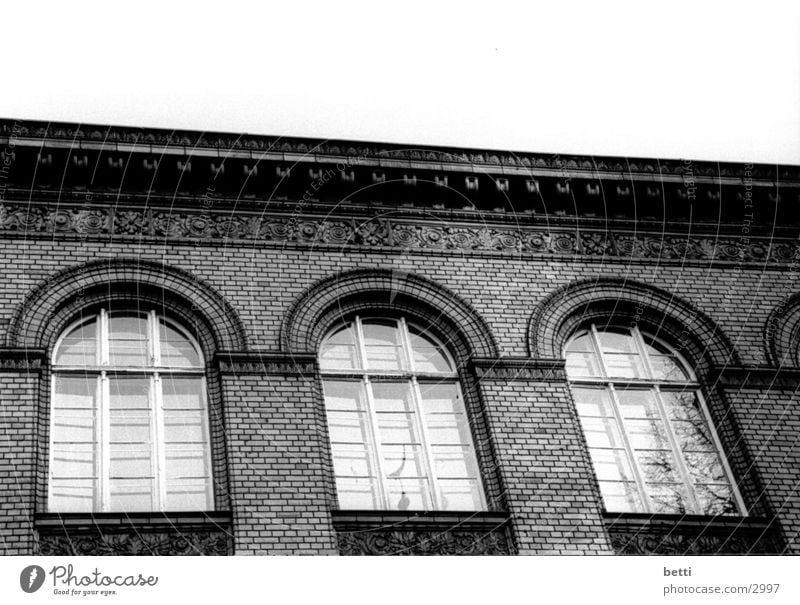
(102,338)
(158,442)
(416,395)
(154,343)
(375,438)
(104,441)
(637,471)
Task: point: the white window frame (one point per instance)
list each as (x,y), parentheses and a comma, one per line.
(611,383)
(154,369)
(406,373)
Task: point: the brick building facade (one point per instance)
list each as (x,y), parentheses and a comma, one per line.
(260,246)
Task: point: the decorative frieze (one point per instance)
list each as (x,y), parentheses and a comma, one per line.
(21,360)
(138,543)
(406,234)
(388,542)
(508,369)
(262,362)
(736,377)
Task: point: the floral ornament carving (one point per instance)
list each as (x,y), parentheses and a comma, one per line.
(380,542)
(638,543)
(135,543)
(533,240)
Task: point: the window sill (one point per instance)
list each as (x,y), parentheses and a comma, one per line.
(646,534)
(370,532)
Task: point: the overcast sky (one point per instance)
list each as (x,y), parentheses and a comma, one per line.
(677,79)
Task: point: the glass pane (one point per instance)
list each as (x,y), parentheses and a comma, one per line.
(646,434)
(132,495)
(75,391)
(392,396)
(383,345)
(127,340)
(344,395)
(72,495)
(669,498)
(682,405)
(428,356)
(176,349)
(358,493)
(130,426)
(339,351)
(408,494)
(352,460)
(622,365)
(453,461)
(582,344)
(402,461)
(658,467)
(621,497)
(638,403)
(188,495)
(448,429)
(706,467)
(397,428)
(460,494)
(184,426)
(131,460)
(185,461)
(612,465)
(716,499)
(79,347)
(182,393)
(74,460)
(616,341)
(348,427)
(601,433)
(692,436)
(129,392)
(74,425)
(592,402)
(444,397)
(667,367)
(583,364)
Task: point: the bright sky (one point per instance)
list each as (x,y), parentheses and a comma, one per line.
(679,79)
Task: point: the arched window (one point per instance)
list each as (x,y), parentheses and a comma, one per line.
(129,420)
(398,426)
(647,426)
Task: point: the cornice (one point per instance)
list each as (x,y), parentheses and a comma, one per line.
(406,234)
(769,377)
(267,363)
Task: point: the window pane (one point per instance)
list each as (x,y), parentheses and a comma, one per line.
(185,461)
(612,465)
(706,467)
(73,495)
(448,429)
(623,365)
(188,495)
(358,493)
(621,497)
(402,461)
(79,347)
(614,341)
(592,401)
(408,494)
(583,364)
(352,460)
(339,351)
(460,494)
(348,427)
(442,397)
(74,426)
(130,426)
(601,432)
(667,367)
(176,350)
(428,356)
(184,426)
(669,498)
(75,391)
(646,435)
(74,460)
(132,495)
(127,340)
(658,467)
(182,393)
(383,345)
(453,461)
(131,460)
(344,395)
(397,428)
(715,499)
(392,396)
(129,392)
(583,344)
(638,403)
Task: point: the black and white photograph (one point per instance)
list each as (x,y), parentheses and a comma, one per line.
(361,279)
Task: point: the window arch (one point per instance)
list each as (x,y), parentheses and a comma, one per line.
(647,425)
(398,426)
(129,425)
